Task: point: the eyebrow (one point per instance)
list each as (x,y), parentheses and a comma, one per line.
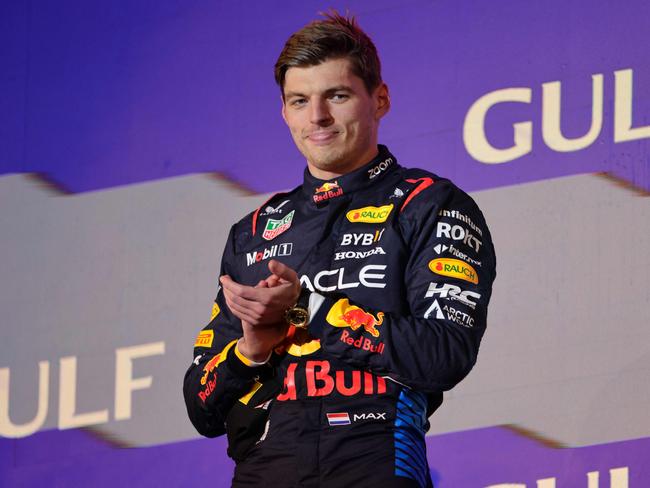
(327,92)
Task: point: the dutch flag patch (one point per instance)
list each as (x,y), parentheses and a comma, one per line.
(341,418)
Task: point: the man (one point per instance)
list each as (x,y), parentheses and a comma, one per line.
(384,274)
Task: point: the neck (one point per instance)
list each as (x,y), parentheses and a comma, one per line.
(364,159)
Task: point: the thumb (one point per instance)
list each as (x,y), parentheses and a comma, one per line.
(282,271)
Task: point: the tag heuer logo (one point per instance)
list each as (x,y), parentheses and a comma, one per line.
(276,227)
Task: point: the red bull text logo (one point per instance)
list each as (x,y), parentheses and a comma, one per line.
(362,343)
(320,381)
(327,190)
(210,366)
(454,268)
(342,314)
(209,389)
(210,384)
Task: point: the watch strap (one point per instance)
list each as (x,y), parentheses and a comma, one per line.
(303,298)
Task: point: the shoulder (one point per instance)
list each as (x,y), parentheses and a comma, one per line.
(423,190)
(438,212)
(277,206)
(434,203)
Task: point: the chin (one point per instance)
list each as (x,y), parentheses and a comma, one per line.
(329,161)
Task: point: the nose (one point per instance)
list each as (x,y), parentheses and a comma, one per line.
(320,113)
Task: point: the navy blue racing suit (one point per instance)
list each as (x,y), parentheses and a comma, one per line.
(401,266)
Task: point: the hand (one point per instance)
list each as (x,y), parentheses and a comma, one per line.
(257,342)
(265,303)
(262,313)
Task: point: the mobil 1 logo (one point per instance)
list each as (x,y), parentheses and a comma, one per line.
(269,252)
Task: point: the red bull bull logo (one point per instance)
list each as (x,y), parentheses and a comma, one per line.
(327,187)
(342,314)
(211,384)
(209,367)
(327,190)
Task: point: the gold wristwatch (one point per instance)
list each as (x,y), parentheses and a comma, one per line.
(298,315)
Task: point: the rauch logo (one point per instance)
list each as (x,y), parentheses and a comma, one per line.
(370,215)
(454,268)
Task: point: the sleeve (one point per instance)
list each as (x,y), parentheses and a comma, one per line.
(434,342)
(219,374)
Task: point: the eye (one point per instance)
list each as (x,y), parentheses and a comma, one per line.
(339,97)
(298,102)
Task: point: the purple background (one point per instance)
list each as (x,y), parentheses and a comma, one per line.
(97,95)
(469,459)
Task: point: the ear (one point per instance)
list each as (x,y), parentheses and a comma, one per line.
(284,109)
(382,99)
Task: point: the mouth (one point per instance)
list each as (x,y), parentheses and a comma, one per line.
(322,137)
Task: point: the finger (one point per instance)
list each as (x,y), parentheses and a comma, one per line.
(252,308)
(272,281)
(251,318)
(243,313)
(282,271)
(240,290)
(262,284)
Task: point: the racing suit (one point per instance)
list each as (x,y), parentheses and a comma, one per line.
(401,265)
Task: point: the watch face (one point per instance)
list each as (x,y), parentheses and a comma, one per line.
(298,317)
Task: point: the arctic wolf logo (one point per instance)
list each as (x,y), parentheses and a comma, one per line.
(342,314)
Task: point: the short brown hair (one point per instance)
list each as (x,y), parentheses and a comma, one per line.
(334,37)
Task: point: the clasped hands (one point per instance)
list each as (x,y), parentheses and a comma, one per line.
(261,308)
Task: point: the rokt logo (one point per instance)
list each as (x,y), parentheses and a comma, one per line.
(458,233)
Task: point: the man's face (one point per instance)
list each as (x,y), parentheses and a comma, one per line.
(332,118)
